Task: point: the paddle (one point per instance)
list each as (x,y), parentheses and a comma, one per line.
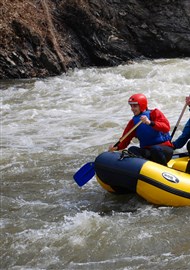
(177,124)
(128,133)
(86,172)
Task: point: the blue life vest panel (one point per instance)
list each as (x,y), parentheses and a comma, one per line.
(147,135)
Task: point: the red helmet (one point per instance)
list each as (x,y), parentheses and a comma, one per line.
(139,99)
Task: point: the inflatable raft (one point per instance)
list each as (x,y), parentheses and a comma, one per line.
(121,173)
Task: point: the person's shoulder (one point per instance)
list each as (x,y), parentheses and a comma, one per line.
(131,122)
(156,113)
(155,110)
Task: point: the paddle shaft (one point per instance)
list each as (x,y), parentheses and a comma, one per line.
(127,134)
(177,124)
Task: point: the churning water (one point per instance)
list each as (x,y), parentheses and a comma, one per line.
(52,127)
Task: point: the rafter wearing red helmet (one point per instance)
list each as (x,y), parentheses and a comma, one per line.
(153,133)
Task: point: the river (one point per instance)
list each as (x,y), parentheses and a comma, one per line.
(49,129)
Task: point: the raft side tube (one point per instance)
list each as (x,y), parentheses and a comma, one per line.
(113,171)
(179,163)
(163,186)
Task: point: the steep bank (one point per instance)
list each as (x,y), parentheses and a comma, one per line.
(42,38)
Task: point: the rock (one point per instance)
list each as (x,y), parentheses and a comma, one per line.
(47,37)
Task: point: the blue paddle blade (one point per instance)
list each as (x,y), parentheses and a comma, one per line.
(84,174)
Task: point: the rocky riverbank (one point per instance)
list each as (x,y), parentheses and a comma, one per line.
(41,38)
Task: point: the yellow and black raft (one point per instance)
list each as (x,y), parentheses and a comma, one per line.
(121,173)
